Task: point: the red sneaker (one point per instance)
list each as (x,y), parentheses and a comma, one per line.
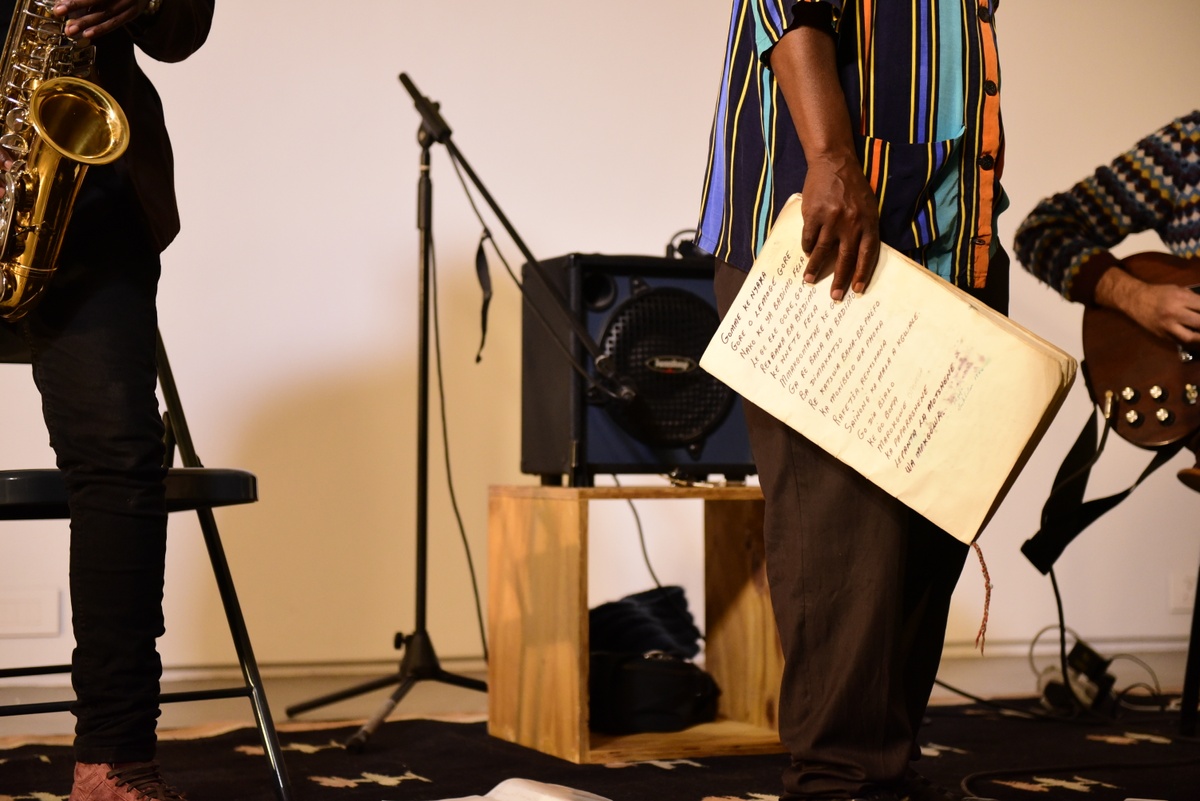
(125,781)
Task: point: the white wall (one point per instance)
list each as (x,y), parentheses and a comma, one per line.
(289,302)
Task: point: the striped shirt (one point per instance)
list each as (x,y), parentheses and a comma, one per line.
(1155,186)
(922,84)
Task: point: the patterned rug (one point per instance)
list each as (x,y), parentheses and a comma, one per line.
(999,754)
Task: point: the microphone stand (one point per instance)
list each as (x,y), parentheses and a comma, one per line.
(420,662)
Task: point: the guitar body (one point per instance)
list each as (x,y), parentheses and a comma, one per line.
(1153,382)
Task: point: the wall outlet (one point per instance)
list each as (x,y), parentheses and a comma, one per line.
(30,612)
(1181,590)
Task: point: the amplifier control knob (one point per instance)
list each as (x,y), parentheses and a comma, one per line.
(1164,416)
(1133,417)
(1158,393)
(1129,394)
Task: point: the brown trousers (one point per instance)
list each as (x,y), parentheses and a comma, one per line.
(861,589)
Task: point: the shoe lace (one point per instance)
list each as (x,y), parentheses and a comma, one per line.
(144,779)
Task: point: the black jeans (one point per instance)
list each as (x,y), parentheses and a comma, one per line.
(93,341)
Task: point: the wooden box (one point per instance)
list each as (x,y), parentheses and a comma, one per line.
(538,625)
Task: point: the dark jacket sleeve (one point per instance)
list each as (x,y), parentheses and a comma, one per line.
(174,33)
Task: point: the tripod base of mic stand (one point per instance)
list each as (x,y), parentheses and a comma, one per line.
(420,663)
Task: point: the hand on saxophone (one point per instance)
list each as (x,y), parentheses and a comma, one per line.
(90,19)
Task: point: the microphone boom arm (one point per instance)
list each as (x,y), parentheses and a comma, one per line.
(436,127)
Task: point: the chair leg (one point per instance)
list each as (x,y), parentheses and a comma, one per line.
(182,438)
(241,641)
(1191,674)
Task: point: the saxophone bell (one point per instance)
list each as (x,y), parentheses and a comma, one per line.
(76,124)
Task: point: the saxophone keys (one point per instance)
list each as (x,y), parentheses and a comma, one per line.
(16,120)
(14,144)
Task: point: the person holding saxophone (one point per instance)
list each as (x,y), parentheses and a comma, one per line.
(93,337)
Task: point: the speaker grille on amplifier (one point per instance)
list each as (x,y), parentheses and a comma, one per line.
(655,340)
(652,318)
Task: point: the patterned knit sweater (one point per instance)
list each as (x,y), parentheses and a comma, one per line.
(1153,187)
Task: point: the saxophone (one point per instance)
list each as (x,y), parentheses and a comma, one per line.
(55,124)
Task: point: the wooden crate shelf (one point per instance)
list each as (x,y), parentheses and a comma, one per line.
(538,625)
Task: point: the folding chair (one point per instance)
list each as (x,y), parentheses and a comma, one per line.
(38,494)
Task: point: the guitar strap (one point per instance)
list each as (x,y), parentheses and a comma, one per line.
(1065,514)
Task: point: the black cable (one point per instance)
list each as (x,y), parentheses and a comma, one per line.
(1062,644)
(1058,604)
(1037,715)
(1107,414)
(641,533)
(592,381)
(684,614)
(1080,714)
(1142,664)
(462,530)
(1154,689)
(1033,646)
(486,232)
(1159,700)
(1034,714)
(1077,705)
(1020,711)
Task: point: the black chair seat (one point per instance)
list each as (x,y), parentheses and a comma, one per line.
(41,494)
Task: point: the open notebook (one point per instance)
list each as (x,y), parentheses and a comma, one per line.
(924,390)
